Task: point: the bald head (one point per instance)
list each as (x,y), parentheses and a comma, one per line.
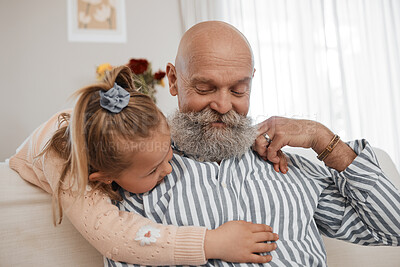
(213,39)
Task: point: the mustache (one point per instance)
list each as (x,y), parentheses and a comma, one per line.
(207,116)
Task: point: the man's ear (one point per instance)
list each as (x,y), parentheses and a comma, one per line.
(100,177)
(172,79)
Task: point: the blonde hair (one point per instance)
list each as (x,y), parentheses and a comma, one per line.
(94,139)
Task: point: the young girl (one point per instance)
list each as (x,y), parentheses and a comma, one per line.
(116,137)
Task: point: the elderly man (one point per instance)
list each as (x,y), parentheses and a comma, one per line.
(217,177)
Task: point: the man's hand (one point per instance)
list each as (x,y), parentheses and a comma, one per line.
(301,133)
(260,146)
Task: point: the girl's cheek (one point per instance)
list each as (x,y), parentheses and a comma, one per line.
(159,181)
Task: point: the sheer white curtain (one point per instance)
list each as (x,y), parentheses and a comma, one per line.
(334,61)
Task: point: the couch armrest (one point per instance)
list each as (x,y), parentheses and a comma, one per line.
(28,235)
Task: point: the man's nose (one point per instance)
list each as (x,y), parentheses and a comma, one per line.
(222,102)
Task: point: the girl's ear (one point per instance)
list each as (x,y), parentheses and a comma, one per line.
(100,177)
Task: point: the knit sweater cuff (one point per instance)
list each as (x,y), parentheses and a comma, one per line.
(189,246)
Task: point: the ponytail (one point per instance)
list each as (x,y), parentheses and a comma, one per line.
(95,139)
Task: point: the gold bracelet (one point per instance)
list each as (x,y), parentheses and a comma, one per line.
(332,144)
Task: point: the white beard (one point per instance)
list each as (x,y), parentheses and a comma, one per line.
(194,134)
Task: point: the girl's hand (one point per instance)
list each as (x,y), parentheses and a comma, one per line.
(240,241)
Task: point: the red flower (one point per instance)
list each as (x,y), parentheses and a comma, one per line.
(159,75)
(138,66)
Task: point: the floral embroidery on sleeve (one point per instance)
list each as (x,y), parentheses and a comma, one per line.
(147,234)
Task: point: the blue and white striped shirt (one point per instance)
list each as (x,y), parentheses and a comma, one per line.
(359,205)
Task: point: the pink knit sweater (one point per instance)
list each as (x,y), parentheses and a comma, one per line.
(110,231)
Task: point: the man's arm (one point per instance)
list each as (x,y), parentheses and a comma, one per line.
(361,205)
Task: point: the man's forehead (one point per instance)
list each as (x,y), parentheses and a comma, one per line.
(216,70)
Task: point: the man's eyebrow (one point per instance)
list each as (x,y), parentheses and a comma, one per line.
(244,80)
(206,80)
(201,80)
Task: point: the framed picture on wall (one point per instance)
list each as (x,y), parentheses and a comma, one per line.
(102,21)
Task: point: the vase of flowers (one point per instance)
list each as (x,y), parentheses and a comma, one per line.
(144,78)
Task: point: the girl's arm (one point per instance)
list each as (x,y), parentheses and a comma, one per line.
(129,237)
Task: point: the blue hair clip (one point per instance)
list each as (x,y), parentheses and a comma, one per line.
(115,99)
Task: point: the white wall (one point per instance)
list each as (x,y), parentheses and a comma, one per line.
(40,69)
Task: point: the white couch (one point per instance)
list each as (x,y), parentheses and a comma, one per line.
(28,237)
